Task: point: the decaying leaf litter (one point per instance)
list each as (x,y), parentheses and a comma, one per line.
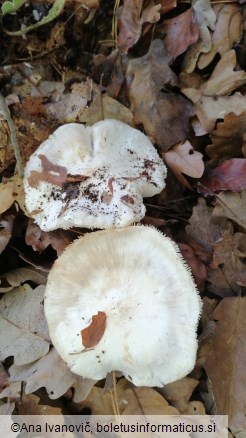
(175,71)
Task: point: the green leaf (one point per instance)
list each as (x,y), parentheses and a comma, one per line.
(56,10)
(10,7)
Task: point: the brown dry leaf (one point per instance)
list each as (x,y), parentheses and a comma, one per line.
(6,149)
(92,334)
(165,116)
(224,78)
(195,408)
(182,158)
(142,401)
(225,365)
(180,32)
(31,130)
(228,29)
(67,109)
(229,255)
(99,401)
(166,5)
(11,191)
(210,108)
(105,107)
(230,175)
(229,139)
(218,284)
(179,393)
(231,205)
(197,267)
(40,240)
(6,196)
(201,226)
(29,405)
(206,19)
(131,18)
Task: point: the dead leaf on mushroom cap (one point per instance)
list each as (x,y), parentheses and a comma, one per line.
(165,116)
(92,334)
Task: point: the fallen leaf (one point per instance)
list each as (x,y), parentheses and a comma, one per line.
(147,77)
(230,175)
(211,108)
(228,29)
(195,408)
(7,409)
(182,158)
(206,19)
(92,334)
(224,78)
(12,391)
(146,401)
(11,191)
(6,226)
(104,107)
(99,401)
(23,327)
(201,226)
(197,267)
(225,365)
(180,32)
(29,405)
(166,5)
(18,276)
(3,378)
(52,373)
(67,109)
(229,255)
(179,393)
(40,240)
(229,138)
(131,18)
(231,205)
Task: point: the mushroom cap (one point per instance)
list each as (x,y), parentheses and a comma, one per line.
(137,277)
(92,177)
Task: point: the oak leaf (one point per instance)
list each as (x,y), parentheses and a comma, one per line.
(225,365)
(164,115)
(180,33)
(52,373)
(230,175)
(131,18)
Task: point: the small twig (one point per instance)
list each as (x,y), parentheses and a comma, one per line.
(13,138)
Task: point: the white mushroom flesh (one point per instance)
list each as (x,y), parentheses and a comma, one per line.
(93,177)
(137,277)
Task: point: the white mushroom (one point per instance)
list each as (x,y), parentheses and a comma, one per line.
(136,279)
(93,177)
